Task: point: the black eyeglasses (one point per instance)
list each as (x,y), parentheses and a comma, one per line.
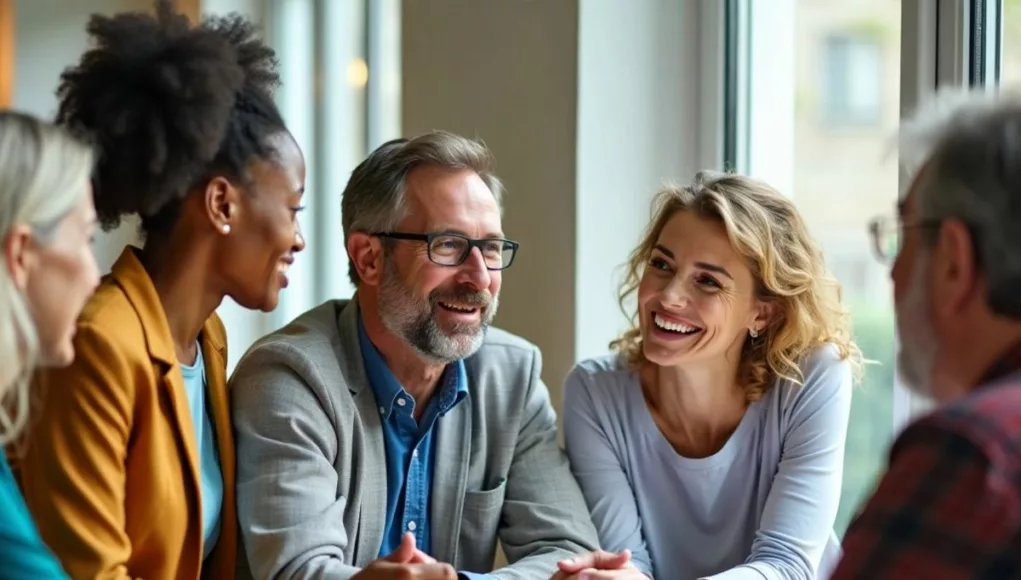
(453,249)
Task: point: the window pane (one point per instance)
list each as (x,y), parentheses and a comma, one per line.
(832,154)
(842,177)
(851,66)
(1010,63)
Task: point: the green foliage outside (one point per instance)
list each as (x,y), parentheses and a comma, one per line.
(877,28)
(1011,21)
(871,425)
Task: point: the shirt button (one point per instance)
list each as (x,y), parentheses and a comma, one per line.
(415,453)
(401,402)
(382,411)
(412,525)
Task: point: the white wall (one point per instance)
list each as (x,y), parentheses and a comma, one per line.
(50,36)
(250,8)
(637,129)
(771,94)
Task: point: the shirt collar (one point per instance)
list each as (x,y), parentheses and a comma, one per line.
(453,384)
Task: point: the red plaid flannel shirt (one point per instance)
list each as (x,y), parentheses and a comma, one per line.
(949,506)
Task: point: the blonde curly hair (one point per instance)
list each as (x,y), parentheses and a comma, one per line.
(787,265)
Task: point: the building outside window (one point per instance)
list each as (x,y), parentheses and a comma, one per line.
(851,75)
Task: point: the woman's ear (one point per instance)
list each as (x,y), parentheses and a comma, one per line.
(18,255)
(221,203)
(766,312)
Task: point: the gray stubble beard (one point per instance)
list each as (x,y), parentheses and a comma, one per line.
(414,320)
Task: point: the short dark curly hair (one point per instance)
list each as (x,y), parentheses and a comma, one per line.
(168,105)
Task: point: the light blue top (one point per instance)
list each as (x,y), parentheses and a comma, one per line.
(410,447)
(762,508)
(23,556)
(209,459)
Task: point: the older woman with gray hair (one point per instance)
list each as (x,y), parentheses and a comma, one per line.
(46,221)
(950,504)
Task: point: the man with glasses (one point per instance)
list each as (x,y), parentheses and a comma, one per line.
(398,435)
(950,504)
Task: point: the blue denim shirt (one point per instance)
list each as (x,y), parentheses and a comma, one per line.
(410,446)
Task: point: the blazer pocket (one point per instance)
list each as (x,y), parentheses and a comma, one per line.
(480,522)
(485,500)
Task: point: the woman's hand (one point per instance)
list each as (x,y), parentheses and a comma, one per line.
(599,565)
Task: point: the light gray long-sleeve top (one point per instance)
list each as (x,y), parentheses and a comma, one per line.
(762,508)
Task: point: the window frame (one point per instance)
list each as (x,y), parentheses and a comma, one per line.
(940,44)
(317,42)
(336,118)
(985,46)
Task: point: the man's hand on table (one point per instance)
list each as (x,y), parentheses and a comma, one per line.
(407,563)
(599,565)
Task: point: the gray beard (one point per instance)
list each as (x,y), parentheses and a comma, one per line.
(918,347)
(414,319)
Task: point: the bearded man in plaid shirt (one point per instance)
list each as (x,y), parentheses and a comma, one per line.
(950,504)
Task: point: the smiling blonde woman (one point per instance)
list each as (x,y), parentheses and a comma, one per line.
(711,444)
(46,220)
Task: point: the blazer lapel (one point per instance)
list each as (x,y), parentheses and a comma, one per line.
(219,406)
(131,276)
(181,416)
(373,481)
(215,353)
(450,476)
(372,473)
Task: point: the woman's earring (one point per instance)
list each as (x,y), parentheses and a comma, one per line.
(754,333)
(225,229)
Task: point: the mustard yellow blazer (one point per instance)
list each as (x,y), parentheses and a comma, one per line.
(111,466)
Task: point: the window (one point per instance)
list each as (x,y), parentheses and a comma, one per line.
(1010,55)
(340,96)
(851,80)
(812,66)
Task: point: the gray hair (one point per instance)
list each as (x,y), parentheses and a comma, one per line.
(964,150)
(373,200)
(43,174)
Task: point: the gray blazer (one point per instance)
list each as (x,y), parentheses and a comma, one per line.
(311,470)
